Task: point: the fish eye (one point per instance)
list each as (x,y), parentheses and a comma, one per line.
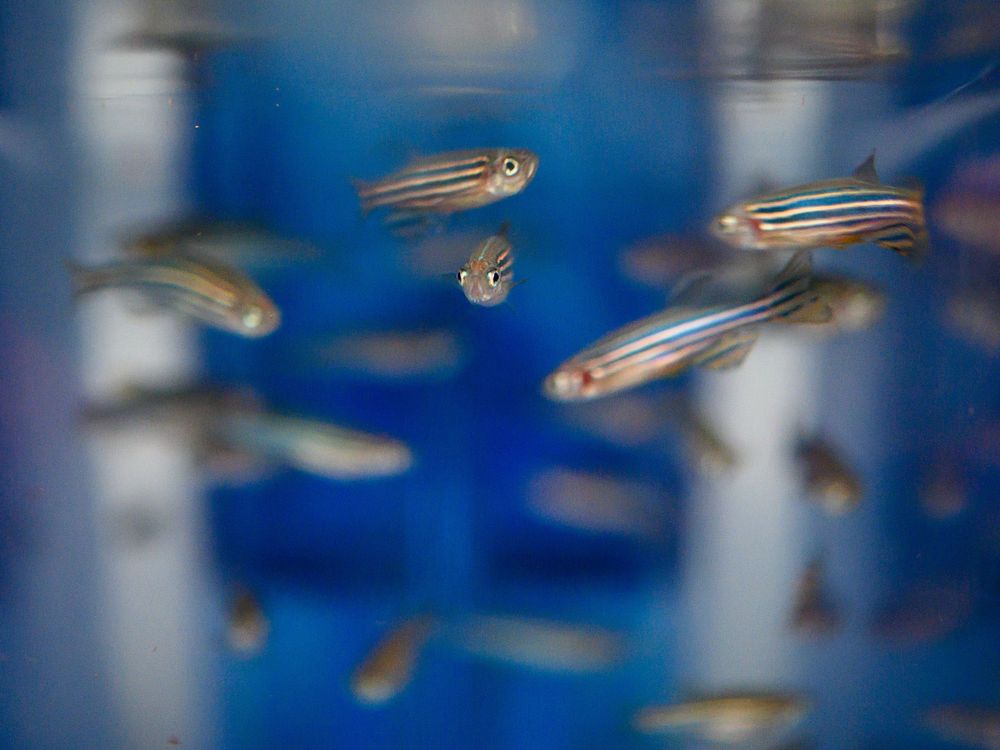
(462,275)
(726,223)
(493,277)
(511,166)
(253,316)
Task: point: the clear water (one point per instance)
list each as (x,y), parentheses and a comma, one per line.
(120,555)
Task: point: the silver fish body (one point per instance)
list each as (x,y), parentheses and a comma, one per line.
(488,276)
(834,213)
(451,182)
(728,718)
(212,293)
(313,446)
(717,336)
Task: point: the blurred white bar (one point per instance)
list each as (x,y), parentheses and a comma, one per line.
(134,114)
(747,531)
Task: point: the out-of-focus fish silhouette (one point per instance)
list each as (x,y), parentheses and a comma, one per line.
(727,717)
(827,475)
(391,664)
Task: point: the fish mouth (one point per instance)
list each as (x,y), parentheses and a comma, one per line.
(564,385)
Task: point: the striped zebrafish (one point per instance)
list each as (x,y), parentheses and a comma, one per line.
(832,213)
(213,293)
(450,182)
(488,276)
(693,332)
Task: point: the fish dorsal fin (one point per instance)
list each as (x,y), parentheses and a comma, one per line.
(729,353)
(866,171)
(799,266)
(690,290)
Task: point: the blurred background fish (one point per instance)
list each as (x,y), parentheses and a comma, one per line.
(539,644)
(856,305)
(972,726)
(248,626)
(391,664)
(729,718)
(314,446)
(391,355)
(813,612)
(969,207)
(973,314)
(925,611)
(217,295)
(827,476)
(244,245)
(599,503)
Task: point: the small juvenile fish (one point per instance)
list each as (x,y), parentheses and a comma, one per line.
(390,665)
(393,355)
(227,243)
(450,182)
(598,503)
(314,446)
(248,625)
(692,332)
(974,726)
(214,294)
(856,304)
(726,718)
(540,644)
(813,613)
(488,276)
(974,315)
(834,213)
(828,476)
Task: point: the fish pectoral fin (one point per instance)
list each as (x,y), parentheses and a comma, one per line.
(814,311)
(866,170)
(729,353)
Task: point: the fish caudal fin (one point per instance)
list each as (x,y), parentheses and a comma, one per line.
(82,279)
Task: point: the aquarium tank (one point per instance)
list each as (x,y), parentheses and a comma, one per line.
(500,373)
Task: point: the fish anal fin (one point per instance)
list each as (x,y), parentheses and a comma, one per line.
(729,353)
(844,241)
(866,170)
(815,311)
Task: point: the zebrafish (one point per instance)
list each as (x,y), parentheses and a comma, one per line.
(390,355)
(391,664)
(813,612)
(693,332)
(973,726)
(828,476)
(833,213)
(598,503)
(213,293)
(450,182)
(488,276)
(313,446)
(540,644)
(248,625)
(726,718)
(243,245)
